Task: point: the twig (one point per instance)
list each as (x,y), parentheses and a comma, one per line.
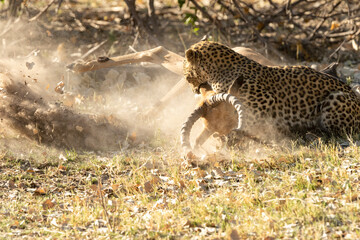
(213,20)
(341,34)
(226,7)
(58,6)
(93,49)
(337,49)
(103,204)
(135,41)
(311,36)
(41,12)
(77,21)
(258,35)
(288,9)
(181,39)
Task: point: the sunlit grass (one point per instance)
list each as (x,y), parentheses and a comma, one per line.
(299,192)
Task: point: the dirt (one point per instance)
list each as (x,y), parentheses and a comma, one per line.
(57,125)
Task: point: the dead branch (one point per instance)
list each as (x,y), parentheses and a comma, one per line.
(310,37)
(258,35)
(93,49)
(42,11)
(211,19)
(139,22)
(170,60)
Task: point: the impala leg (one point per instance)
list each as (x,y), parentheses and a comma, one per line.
(201,139)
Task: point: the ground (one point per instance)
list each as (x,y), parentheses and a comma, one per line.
(103,172)
(304,192)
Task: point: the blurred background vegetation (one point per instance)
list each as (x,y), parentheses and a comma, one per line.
(290,30)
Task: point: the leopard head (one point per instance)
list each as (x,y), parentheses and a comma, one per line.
(194,69)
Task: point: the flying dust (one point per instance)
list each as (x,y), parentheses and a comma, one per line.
(44,104)
(102,110)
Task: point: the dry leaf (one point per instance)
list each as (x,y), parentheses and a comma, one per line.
(35,131)
(182,184)
(218,172)
(354,197)
(60,87)
(47,204)
(78,128)
(30,170)
(334,25)
(41,191)
(148,187)
(12,184)
(95,187)
(15,224)
(29,65)
(234,235)
(354,45)
(115,187)
(200,173)
(132,137)
(260,26)
(282,159)
(49,34)
(246,10)
(62,168)
(155,180)
(269,238)
(47,87)
(188,223)
(191,156)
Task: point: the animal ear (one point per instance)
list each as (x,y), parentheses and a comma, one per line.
(191,56)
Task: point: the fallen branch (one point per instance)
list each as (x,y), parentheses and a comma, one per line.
(160,55)
(93,49)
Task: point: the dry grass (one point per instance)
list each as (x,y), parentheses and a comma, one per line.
(304,193)
(146,192)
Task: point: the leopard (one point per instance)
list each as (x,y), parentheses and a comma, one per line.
(290,99)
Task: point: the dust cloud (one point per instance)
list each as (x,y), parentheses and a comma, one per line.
(96,111)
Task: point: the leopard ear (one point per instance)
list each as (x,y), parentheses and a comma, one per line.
(190,56)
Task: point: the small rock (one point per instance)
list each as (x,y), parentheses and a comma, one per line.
(357,77)
(348,71)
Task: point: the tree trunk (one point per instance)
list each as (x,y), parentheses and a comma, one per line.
(14,7)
